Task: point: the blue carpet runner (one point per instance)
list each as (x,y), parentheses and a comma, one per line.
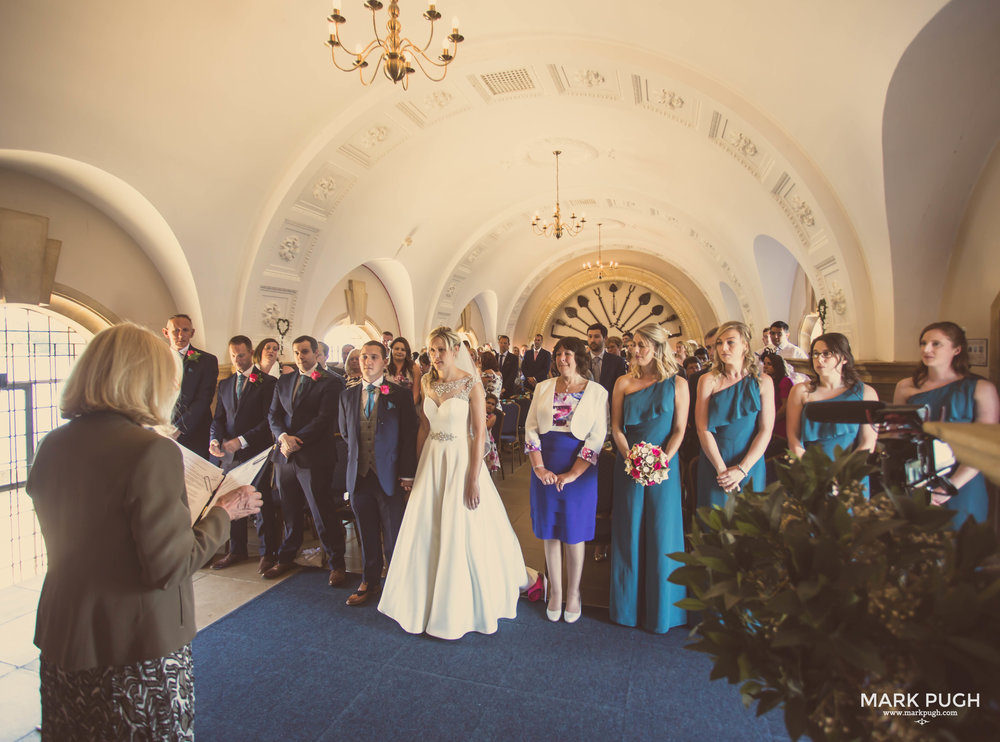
(296,663)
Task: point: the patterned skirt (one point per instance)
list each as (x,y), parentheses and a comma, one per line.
(149,700)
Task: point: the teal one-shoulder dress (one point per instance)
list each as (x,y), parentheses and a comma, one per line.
(956,403)
(828,435)
(647,523)
(733,414)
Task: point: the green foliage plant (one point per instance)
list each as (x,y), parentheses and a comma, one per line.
(810,595)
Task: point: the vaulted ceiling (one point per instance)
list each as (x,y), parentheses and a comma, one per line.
(254,173)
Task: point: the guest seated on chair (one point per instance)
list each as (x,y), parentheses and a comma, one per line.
(564,432)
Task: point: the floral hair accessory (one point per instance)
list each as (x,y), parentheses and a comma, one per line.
(253,378)
(315,375)
(647,464)
(384,389)
(192,355)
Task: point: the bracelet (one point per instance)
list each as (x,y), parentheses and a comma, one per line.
(539,466)
(742,470)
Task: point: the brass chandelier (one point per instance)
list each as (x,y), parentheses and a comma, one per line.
(600,268)
(396,53)
(556,228)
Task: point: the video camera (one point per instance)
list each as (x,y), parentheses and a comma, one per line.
(907,457)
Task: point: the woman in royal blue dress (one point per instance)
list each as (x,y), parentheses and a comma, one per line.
(649,404)
(734,413)
(564,432)
(834,380)
(942,381)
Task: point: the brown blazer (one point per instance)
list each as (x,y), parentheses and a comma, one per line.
(111,502)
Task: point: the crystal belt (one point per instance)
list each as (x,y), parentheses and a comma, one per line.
(443,436)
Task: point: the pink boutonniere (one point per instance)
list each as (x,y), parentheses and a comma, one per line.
(384,389)
(315,375)
(192,355)
(253,378)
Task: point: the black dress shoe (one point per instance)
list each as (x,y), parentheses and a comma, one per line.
(228,561)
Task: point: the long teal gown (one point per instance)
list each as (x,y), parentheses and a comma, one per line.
(732,419)
(956,403)
(647,523)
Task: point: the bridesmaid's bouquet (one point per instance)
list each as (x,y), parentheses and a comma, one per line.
(647,464)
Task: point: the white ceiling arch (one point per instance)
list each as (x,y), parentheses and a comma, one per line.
(228,118)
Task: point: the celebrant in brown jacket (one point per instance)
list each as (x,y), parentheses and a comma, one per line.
(116,613)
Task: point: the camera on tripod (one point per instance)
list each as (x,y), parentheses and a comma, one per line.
(908,458)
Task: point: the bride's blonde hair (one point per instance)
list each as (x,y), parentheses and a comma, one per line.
(451,339)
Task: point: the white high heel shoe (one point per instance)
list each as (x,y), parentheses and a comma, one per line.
(569,617)
(551,615)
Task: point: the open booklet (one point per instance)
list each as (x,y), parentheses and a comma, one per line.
(204,480)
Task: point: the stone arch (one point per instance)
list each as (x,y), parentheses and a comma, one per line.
(127,207)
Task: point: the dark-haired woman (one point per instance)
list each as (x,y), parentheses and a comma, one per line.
(265,357)
(834,379)
(942,381)
(401,369)
(564,432)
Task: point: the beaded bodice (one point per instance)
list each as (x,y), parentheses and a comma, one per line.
(447,408)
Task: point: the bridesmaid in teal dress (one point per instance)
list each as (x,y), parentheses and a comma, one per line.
(942,381)
(734,414)
(649,404)
(834,380)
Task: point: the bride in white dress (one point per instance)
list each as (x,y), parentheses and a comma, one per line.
(457,566)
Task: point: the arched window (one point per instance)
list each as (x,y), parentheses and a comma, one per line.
(37,351)
(357,335)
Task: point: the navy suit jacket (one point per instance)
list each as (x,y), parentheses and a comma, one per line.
(193,411)
(509,370)
(248,418)
(395,435)
(537,364)
(611,368)
(313,418)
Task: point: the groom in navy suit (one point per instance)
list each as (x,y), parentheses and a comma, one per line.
(379,423)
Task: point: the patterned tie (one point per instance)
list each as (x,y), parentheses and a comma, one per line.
(597,367)
(241,381)
(370,404)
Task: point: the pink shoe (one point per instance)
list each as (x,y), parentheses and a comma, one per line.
(537,591)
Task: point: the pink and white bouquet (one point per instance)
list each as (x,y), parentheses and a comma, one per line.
(647,464)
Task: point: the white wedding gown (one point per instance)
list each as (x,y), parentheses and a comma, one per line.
(453,570)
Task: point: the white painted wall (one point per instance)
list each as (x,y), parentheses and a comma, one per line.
(98,259)
(974,273)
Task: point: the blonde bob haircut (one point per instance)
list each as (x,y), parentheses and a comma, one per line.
(451,340)
(664,365)
(126,369)
(750,367)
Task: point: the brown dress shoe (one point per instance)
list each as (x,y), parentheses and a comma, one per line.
(338,577)
(228,561)
(362,595)
(266,562)
(278,570)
